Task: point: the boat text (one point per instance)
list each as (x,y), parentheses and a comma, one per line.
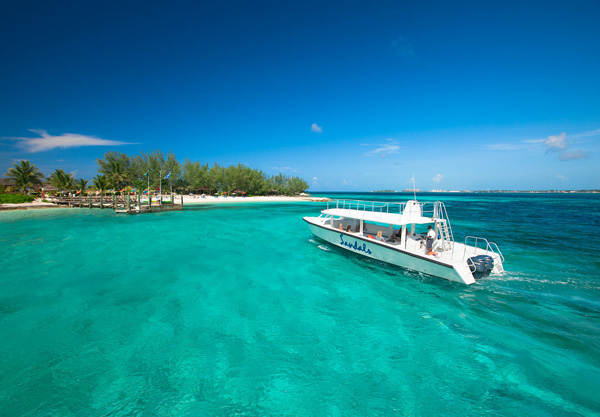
(355,246)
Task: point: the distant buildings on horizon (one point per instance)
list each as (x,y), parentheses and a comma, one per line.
(417,190)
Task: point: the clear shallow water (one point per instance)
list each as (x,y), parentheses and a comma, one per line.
(240,311)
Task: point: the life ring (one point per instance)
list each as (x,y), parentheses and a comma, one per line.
(370,237)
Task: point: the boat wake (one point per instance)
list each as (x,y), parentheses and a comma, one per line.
(320,245)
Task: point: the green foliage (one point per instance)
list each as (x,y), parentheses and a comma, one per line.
(15,199)
(100,183)
(137,171)
(117,171)
(116,167)
(82,184)
(296,185)
(62,181)
(195,176)
(282,184)
(25,175)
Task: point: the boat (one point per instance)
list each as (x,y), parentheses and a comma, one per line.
(397,233)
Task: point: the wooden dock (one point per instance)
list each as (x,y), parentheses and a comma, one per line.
(121,204)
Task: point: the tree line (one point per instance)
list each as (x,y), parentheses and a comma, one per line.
(118,171)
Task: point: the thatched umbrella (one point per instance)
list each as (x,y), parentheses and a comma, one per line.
(7,184)
(47,188)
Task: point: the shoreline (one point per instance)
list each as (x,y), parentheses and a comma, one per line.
(187,200)
(34,205)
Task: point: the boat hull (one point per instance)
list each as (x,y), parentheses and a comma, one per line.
(378,250)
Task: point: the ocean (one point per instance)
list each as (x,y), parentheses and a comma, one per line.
(240,311)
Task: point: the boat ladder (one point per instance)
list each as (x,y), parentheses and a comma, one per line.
(445,227)
(446,235)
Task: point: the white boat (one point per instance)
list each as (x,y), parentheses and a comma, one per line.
(354,226)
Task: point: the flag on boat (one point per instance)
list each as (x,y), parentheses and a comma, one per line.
(167,176)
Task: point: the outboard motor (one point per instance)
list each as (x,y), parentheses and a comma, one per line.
(480,265)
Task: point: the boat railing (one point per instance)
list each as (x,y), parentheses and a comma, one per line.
(441,213)
(371,206)
(497,250)
(490,247)
(429,209)
(437,211)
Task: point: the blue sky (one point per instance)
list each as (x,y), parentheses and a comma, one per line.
(349,95)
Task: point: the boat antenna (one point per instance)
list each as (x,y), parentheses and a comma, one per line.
(414,186)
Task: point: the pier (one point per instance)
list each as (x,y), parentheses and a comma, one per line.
(121,204)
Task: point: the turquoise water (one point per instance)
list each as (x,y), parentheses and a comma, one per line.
(220,311)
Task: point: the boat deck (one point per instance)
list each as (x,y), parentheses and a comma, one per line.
(355,225)
(396,219)
(449,252)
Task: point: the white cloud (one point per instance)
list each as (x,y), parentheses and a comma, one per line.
(561,177)
(586,134)
(572,155)
(556,143)
(507,146)
(383,149)
(315,179)
(528,144)
(437,178)
(67,140)
(316,128)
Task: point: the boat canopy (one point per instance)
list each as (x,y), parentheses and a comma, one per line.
(393,214)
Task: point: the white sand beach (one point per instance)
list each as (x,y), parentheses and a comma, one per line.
(36,204)
(196,199)
(187,200)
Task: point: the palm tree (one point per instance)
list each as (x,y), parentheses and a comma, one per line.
(62,181)
(116,168)
(25,174)
(117,175)
(83,184)
(100,183)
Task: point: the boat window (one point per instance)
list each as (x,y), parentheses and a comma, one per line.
(421,229)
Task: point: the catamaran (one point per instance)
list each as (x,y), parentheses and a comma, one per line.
(401,234)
